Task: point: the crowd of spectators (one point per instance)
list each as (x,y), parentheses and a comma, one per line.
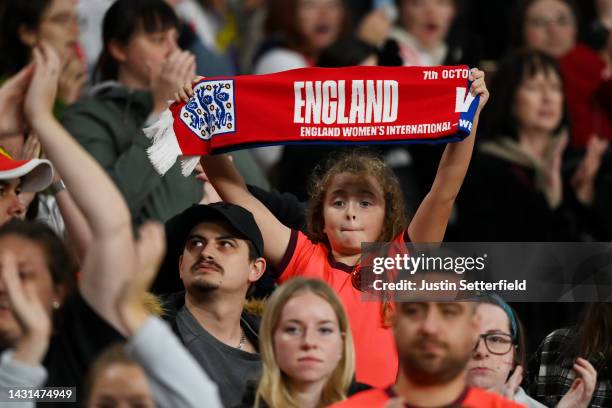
(239,285)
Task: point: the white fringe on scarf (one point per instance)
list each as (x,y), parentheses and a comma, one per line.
(165,149)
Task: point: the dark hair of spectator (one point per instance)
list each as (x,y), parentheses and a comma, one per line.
(14,16)
(60,262)
(122,20)
(360,162)
(520,19)
(595,332)
(498,118)
(346,52)
(281,23)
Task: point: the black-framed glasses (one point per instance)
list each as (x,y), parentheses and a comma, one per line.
(496,343)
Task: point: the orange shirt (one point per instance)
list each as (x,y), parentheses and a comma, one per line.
(470,398)
(375,352)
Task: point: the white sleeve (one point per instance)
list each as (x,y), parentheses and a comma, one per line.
(15,374)
(176,379)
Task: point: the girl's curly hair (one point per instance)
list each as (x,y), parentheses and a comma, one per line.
(360,162)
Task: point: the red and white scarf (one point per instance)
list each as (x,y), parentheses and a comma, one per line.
(357,105)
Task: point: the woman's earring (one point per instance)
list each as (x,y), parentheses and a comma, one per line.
(56,305)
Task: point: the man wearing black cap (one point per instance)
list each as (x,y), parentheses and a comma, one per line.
(221,257)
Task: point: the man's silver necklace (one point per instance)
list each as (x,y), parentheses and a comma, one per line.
(242,340)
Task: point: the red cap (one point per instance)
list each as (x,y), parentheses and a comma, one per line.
(35,174)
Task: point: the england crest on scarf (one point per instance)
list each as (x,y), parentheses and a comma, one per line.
(314,106)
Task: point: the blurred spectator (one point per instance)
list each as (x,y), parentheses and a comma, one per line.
(556,368)
(434,342)
(516,188)
(79,330)
(19,178)
(552,27)
(430,33)
(24,24)
(306,348)
(423,34)
(519,163)
(20,366)
(499,357)
(214,23)
(91,13)
(297,31)
(141,67)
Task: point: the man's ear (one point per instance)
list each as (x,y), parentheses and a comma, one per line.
(117,51)
(27,36)
(257,269)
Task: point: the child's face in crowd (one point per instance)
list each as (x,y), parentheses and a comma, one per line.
(487,370)
(10,206)
(145,53)
(213,259)
(354,212)
(32,264)
(308,343)
(428,20)
(550,26)
(538,104)
(59,27)
(121,386)
(319,22)
(434,339)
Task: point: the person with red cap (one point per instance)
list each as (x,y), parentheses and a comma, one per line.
(17,175)
(20,175)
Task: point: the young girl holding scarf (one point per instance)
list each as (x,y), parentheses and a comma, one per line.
(357,200)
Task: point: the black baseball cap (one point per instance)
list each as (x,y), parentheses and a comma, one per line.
(179,227)
(238,218)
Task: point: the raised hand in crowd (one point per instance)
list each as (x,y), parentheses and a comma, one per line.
(176,70)
(581,391)
(72,79)
(109,262)
(12,93)
(513,383)
(583,180)
(29,312)
(431,218)
(374,28)
(150,250)
(554,179)
(210,194)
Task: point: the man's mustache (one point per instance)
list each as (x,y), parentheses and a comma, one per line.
(207,264)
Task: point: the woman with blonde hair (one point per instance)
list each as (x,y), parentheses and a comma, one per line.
(306,348)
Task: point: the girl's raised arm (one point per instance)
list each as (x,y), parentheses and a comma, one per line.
(431,219)
(231,187)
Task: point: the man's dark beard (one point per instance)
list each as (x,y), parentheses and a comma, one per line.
(420,371)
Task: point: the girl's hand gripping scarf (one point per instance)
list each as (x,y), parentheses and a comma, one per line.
(357,105)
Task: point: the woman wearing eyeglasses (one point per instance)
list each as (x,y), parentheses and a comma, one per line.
(498,359)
